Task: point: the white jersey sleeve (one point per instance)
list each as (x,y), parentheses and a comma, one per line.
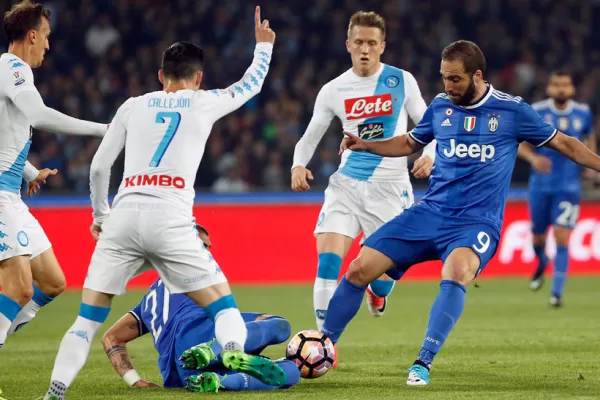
(220,102)
(110,148)
(416,106)
(30,172)
(21,80)
(320,121)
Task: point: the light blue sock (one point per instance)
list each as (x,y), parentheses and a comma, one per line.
(561,265)
(382,288)
(343,306)
(446,309)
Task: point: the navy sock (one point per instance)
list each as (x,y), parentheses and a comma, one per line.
(446,310)
(561,265)
(343,306)
(381,287)
(241,381)
(540,253)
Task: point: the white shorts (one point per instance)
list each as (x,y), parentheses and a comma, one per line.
(138,237)
(20,233)
(352,206)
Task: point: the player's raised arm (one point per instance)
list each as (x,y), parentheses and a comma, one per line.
(223,101)
(107,153)
(305,148)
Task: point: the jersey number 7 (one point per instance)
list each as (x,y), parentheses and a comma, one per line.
(174,120)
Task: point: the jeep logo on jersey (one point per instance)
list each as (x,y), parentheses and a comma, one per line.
(474,150)
(370,131)
(370,106)
(155,180)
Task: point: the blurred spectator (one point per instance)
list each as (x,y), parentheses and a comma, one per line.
(104,51)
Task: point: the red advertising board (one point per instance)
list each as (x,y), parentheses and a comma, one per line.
(274,243)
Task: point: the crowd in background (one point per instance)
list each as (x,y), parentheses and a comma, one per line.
(104,51)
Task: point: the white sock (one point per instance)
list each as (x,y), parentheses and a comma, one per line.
(4,327)
(230,329)
(25,315)
(322,293)
(72,354)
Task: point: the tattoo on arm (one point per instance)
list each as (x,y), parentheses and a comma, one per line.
(119,359)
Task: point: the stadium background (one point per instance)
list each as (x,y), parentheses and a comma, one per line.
(103,51)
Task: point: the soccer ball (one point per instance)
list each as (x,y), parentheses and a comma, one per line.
(312,352)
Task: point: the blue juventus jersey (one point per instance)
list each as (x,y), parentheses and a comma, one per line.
(575,121)
(161,314)
(476,152)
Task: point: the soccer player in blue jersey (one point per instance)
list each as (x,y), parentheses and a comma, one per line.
(554,183)
(478,130)
(177,324)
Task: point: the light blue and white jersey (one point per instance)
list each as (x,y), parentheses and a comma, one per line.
(16,77)
(374,108)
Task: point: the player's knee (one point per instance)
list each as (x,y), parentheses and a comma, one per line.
(561,236)
(357,273)
(329,266)
(539,240)
(462,273)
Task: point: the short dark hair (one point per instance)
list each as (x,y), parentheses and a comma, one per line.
(562,72)
(22,18)
(182,60)
(202,229)
(368,19)
(467,52)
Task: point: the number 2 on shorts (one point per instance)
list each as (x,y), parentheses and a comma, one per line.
(174,120)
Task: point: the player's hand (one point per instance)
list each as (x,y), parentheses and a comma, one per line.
(34,185)
(300,177)
(263,32)
(353,143)
(542,164)
(145,384)
(422,167)
(95,229)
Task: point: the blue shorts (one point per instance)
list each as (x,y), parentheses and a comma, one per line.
(194,332)
(560,209)
(419,234)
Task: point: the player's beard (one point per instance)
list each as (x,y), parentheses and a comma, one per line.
(467,98)
(560,100)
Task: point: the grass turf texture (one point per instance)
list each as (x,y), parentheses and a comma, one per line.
(509,344)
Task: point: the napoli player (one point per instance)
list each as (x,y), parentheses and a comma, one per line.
(177,324)
(164,134)
(25,252)
(374,101)
(554,183)
(478,130)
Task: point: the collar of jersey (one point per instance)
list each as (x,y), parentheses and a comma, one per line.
(555,110)
(483,99)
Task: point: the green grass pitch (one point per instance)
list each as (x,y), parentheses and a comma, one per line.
(509,344)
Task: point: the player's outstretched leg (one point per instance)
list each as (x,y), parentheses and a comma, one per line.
(346,300)
(75,345)
(377,294)
(539,246)
(231,333)
(212,382)
(459,269)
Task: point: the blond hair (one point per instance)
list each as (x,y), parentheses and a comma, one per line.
(368,19)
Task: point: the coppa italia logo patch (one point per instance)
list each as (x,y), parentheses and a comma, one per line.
(370,106)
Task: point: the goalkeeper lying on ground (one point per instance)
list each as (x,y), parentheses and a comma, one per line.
(183,336)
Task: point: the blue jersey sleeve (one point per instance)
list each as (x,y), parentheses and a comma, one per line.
(137,313)
(531,127)
(423,132)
